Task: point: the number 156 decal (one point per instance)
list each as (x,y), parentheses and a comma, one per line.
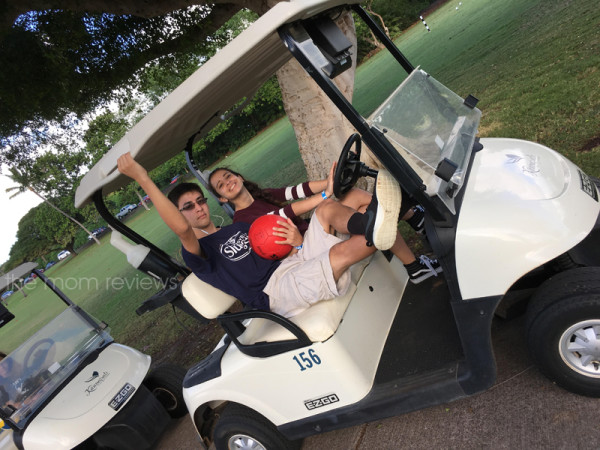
(307,361)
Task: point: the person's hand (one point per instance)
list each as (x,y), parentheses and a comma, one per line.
(289,231)
(329,188)
(130,167)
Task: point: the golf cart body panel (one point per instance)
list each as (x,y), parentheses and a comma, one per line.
(353,377)
(64,423)
(498,216)
(342,367)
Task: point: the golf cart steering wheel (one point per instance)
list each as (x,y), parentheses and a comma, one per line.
(35,355)
(349,167)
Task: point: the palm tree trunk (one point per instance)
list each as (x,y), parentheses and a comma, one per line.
(65,214)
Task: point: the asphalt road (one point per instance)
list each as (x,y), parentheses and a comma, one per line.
(522,411)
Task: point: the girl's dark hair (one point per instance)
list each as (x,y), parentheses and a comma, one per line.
(183,188)
(255,190)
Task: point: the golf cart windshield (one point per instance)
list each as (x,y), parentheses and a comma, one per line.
(31,373)
(427,123)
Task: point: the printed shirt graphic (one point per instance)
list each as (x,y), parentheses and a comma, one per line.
(232,266)
(236,247)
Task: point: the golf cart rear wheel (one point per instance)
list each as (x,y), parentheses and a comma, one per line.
(242,428)
(563,330)
(166,384)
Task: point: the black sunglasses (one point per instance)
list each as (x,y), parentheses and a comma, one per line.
(191,205)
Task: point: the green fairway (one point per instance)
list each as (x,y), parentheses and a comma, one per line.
(534,65)
(272,157)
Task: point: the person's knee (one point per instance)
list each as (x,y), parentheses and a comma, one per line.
(325,210)
(348,252)
(357,199)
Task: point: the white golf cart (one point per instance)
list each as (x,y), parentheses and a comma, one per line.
(69,385)
(509,219)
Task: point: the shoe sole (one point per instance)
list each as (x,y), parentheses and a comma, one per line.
(389,199)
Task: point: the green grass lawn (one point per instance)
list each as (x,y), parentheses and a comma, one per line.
(534,65)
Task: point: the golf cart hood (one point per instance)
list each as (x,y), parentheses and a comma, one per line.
(96,386)
(524,205)
(196,106)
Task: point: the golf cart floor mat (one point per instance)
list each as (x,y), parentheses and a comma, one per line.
(423,336)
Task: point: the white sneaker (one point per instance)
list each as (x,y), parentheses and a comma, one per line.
(382,212)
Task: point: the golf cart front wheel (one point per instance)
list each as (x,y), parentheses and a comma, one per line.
(564,337)
(242,428)
(166,384)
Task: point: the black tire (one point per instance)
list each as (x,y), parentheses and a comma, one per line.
(166,383)
(563,330)
(562,263)
(239,425)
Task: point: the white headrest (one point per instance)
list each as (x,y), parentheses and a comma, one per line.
(204,298)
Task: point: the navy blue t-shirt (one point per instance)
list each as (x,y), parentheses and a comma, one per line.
(231,265)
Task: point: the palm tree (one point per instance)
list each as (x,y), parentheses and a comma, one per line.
(23,185)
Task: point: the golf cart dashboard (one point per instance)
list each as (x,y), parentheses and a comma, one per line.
(433,130)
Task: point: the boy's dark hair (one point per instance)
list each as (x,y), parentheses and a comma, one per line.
(183,188)
(255,190)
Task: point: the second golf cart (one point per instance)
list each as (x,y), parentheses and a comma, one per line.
(69,385)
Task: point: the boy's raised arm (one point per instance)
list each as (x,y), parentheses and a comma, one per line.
(167,210)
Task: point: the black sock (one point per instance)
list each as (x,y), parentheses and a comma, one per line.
(357,224)
(413,266)
(416,221)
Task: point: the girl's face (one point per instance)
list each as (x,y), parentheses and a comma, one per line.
(226,184)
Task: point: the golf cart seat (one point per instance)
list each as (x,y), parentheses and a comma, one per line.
(317,323)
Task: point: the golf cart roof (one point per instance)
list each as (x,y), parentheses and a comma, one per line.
(16,274)
(235,72)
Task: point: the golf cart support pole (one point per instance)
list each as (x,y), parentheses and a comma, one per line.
(200,176)
(396,53)
(132,235)
(68,301)
(299,43)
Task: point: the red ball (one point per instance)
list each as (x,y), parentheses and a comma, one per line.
(262,239)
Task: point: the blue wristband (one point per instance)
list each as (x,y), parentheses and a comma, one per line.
(298,247)
(324,195)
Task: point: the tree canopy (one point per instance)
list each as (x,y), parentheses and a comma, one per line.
(76,61)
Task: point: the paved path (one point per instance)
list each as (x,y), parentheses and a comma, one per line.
(522,411)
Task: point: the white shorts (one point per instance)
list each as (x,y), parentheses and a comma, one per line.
(306,277)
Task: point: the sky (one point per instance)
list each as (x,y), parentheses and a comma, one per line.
(13,210)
